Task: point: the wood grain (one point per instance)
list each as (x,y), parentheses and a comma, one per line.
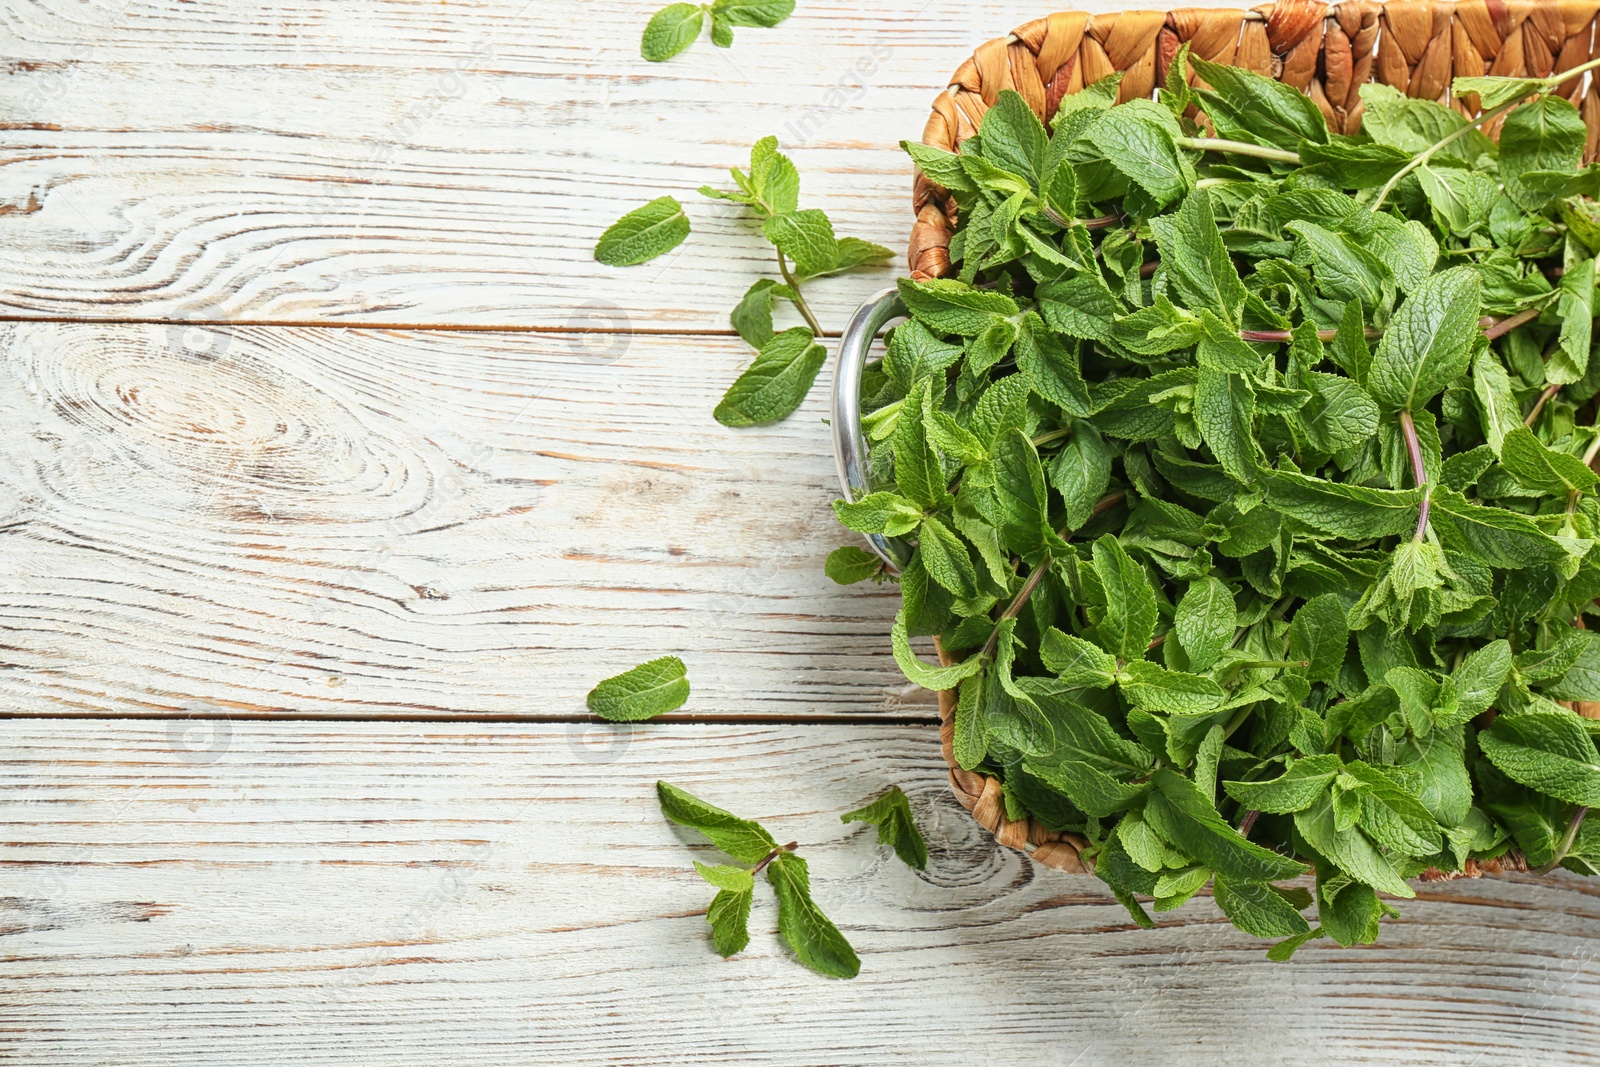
(357,523)
(314,893)
(409,162)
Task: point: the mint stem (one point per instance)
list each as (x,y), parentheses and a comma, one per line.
(1013,609)
(1418,472)
(1506,325)
(1565,845)
(799,301)
(1238,148)
(1538,405)
(774,854)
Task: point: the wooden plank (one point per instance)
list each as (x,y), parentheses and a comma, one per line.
(405,162)
(501,894)
(356,523)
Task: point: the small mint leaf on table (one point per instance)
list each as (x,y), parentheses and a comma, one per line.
(642,692)
(891,814)
(671,30)
(643,234)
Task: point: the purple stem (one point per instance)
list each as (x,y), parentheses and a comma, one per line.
(1418,471)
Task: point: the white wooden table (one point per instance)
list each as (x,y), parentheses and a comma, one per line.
(335,472)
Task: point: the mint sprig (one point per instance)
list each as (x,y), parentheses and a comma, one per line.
(677,26)
(814,939)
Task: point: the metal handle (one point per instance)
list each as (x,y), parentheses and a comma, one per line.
(849,444)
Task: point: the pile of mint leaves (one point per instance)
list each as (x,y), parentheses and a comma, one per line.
(1244,471)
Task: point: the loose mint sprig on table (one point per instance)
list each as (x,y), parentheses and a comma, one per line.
(677,26)
(1247,472)
(805,247)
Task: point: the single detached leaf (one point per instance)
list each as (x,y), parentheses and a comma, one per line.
(645,232)
(816,942)
(891,814)
(744,840)
(1429,342)
(671,30)
(776,383)
(642,692)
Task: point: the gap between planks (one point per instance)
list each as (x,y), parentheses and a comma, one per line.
(421,327)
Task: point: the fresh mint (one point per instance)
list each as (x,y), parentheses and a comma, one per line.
(643,234)
(677,26)
(891,814)
(811,935)
(1246,479)
(642,692)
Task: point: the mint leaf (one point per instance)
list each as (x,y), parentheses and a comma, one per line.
(1299,787)
(1181,814)
(752,319)
(816,942)
(1429,343)
(1542,469)
(742,839)
(753,12)
(806,237)
(935,678)
(729,914)
(948,306)
(1259,909)
(776,383)
(1319,635)
(1077,662)
(848,565)
(670,31)
(891,814)
(1260,108)
(1205,622)
(643,233)
(1130,615)
(642,692)
(879,513)
(1549,751)
(1192,250)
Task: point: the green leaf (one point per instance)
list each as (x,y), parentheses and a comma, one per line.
(1019,494)
(1338,416)
(1154,688)
(816,942)
(1184,816)
(1341,268)
(1258,909)
(1352,850)
(935,678)
(1320,635)
(1296,789)
(1205,622)
(891,814)
(1341,508)
(948,306)
(1051,367)
(848,565)
(806,237)
(1477,681)
(1224,408)
(776,383)
(752,319)
(1193,253)
(670,31)
(642,692)
(1094,791)
(1144,151)
(879,513)
(1548,751)
(753,12)
(643,233)
(1267,110)
(1461,199)
(915,353)
(744,840)
(1492,386)
(729,914)
(1494,91)
(1013,138)
(1543,135)
(721,32)
(1131,613)
(1429,342)
(1495,536)
(940,166)
(1077,662)
(1570,362)
(1081,473)
(1415,126)
(1542,469)
(947,559)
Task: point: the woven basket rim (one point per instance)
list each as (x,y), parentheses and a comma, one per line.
(1286,28)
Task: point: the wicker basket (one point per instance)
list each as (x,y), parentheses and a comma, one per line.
(1328,51)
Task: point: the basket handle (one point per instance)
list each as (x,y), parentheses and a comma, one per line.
(850,448)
